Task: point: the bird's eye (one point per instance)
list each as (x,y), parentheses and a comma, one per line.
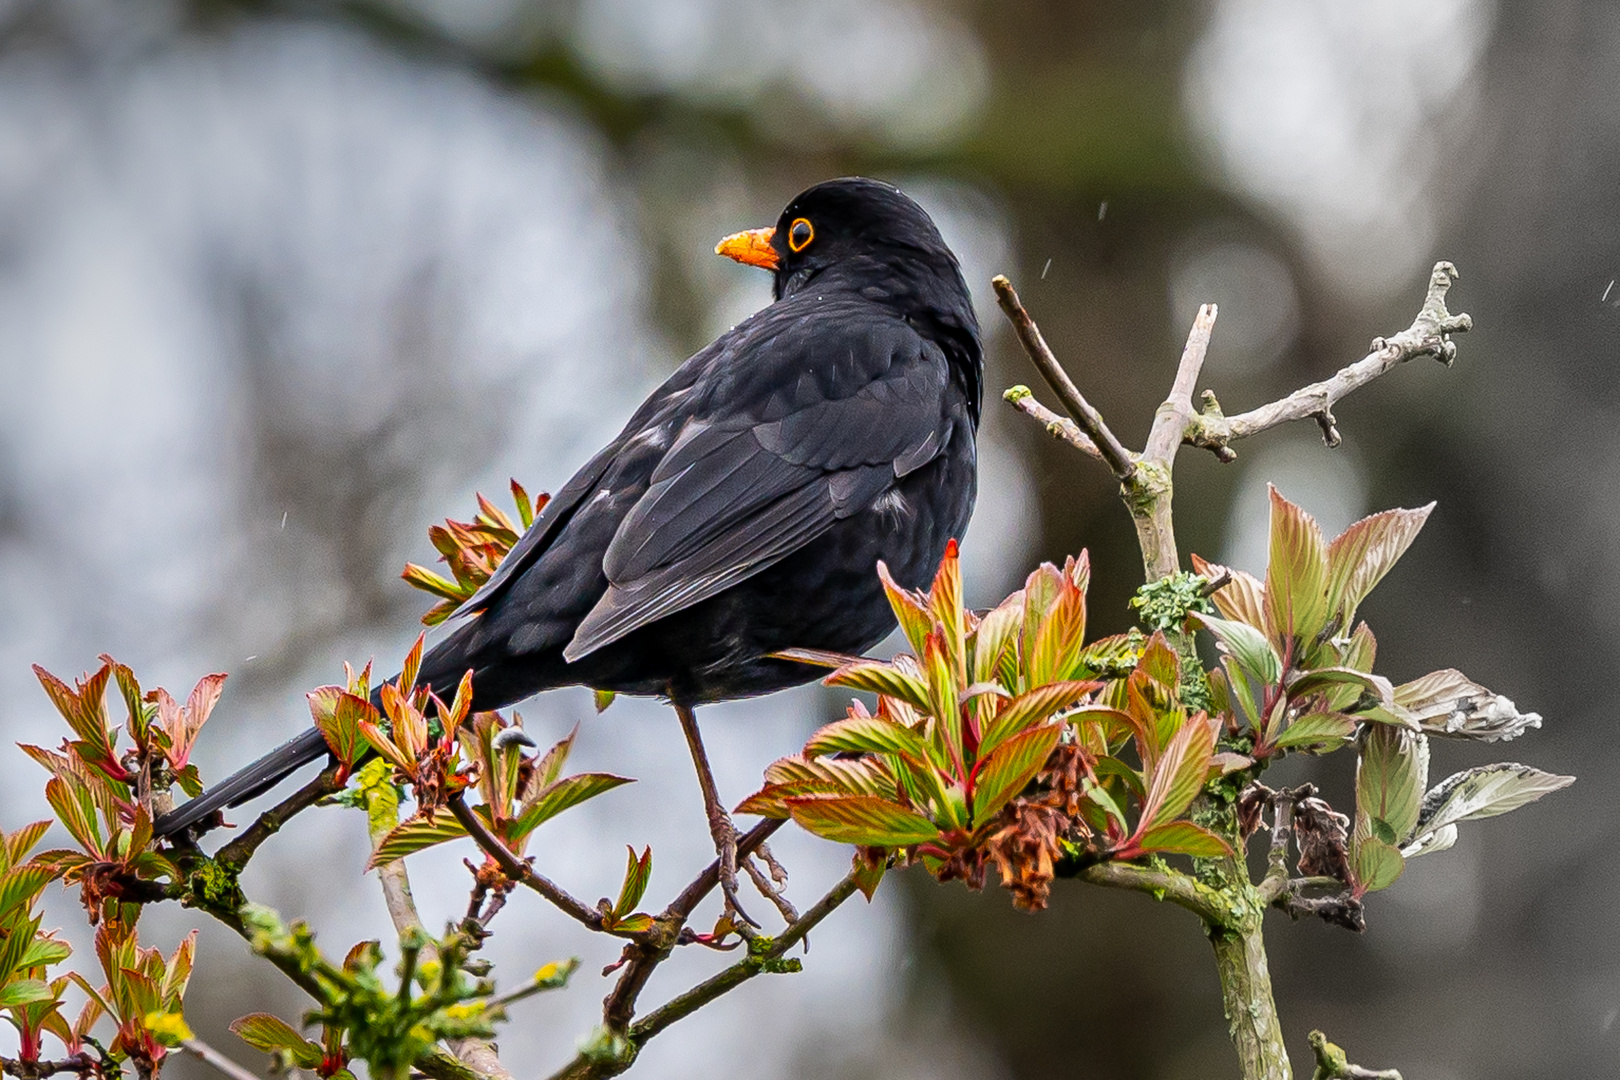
(800,234)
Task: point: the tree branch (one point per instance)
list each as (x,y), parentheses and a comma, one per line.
(1171,420)
(1172,885)
(765,955)
(1074,403)
(645,954)
(1429,335)
(519,870)
(757,961)
(235,855)
(1059,427)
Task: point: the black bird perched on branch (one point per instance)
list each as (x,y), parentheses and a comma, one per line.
(744,507)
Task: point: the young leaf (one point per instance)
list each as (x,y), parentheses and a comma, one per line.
(1183,838)
(1316,730)
(869,735)
(1179,774)
(909,609)
(1247,646)
(1360,556)
(1296,576)
(1029,709)
(997,632)
(415,834)
(1242,599)
(1376,864)
(1485,792)
(560,796)
(877,677)
(637,873)
(861,819)
(20,992)
(272,1034)
(1009,770)
(1391,771)
(943,702)
(945,604)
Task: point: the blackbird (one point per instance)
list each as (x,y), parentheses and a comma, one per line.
(744,507)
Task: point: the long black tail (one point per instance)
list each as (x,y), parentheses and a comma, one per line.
(246,783)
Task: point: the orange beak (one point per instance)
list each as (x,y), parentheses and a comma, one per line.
(752,247)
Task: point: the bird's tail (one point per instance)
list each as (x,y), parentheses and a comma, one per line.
(244,784)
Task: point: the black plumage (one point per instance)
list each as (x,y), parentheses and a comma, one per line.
(744,507)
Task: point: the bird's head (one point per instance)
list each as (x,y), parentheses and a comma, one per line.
(869,237)
(859,226)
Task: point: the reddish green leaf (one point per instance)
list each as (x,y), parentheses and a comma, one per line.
(416,834)
(1392,769)
(861,819)
(1059,637)
(910,609)
(1183,838)
(1296,575)
(22,841)
(1375,864)
(1009,770)
(869,735)
(637,873)
(1179,774)
(76,811)
(869,873)
(412,664)
(560,796)
(945,604)
(1242,599)
(943,702)
(421,577)
(877,677)
(995,635)
(1360,556)
(1031,708)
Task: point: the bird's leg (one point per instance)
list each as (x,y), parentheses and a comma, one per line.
(720,826)
(772,887)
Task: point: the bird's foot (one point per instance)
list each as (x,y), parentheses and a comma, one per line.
(725,846)
(773,887)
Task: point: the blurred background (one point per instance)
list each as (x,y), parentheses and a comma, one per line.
(283,282)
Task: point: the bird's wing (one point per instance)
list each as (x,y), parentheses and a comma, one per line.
(732,497)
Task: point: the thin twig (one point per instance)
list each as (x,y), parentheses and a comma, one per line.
(1429,335)
(207,1054)
(643,956)
(766,955)
(1074,403)
(685,1004)
(236,854)
(1282,830)
(519,870)
(1170,422)
(80,1063)
(1059,427)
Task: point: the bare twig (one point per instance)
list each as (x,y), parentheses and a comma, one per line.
(1429,335)
(1059,427)
(1074,403)
(236,854)
(1170,422)
(519,870)
(208,1055)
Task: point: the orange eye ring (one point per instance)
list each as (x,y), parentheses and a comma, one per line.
(800,233)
